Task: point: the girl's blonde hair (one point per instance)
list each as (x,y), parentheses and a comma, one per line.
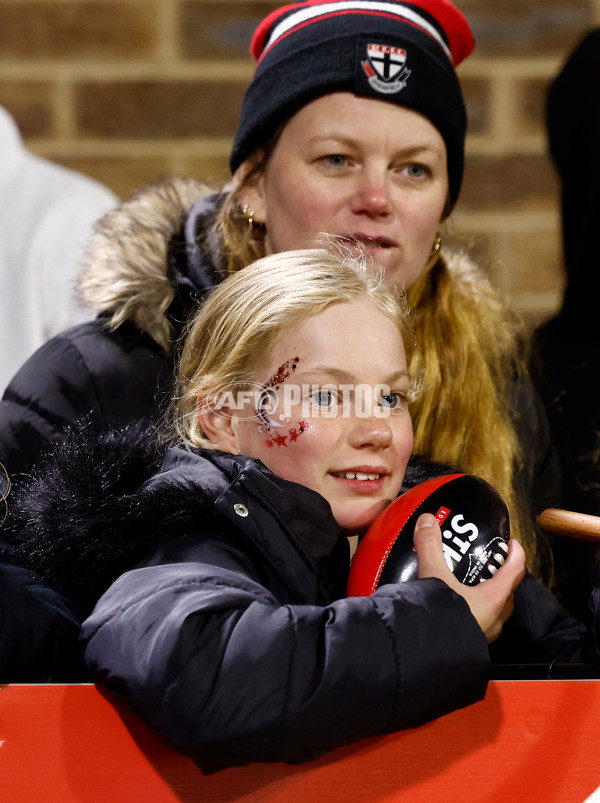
(470,353)
(241,319)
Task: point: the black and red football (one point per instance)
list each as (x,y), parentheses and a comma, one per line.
(475,532)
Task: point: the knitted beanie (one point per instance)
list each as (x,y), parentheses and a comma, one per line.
(404,52)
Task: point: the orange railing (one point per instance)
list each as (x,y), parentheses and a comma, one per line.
(536,740)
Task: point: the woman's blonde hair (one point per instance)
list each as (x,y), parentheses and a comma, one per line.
(241,319)
(470,352)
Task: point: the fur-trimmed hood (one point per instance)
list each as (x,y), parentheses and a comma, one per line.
(152,256)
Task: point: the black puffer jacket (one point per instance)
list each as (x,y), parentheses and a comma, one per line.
(38,626)
(234,638)
(157,249)
(39,629)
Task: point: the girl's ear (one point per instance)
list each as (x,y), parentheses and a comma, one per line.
(218,427)
(251,193)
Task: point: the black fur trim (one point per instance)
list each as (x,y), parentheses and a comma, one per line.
(81,521)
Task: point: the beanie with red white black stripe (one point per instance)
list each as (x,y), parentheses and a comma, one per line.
(400,52)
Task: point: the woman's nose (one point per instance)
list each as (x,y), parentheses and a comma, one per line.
(372,193)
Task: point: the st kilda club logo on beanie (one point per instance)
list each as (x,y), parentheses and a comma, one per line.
(384,66)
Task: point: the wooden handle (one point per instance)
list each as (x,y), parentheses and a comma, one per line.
(570,524)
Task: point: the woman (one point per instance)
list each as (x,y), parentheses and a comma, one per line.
(354,124)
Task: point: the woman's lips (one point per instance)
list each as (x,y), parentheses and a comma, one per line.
(370,241)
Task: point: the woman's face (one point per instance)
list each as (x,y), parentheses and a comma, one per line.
(340,424)
(360,168)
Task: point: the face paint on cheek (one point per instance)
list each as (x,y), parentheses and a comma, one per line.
(282,373)
(295,433)
(271,401)
(267,428)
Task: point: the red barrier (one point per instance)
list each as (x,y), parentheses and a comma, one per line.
(527,741)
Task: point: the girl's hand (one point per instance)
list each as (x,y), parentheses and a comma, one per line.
(491,602)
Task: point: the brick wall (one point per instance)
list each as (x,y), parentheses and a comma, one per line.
(129,90)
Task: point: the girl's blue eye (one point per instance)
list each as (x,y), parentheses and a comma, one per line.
(392,400)
(323,398)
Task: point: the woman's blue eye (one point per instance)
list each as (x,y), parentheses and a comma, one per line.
(335,159)
(417,171)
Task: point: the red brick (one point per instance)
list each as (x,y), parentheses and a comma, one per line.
(524,27)
(477,99)
(530,105)
(30,104)
(122,174)
(221,30)
(158,109)
(523,182)
(535,262)
(91,29)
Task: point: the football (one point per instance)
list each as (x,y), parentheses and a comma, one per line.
(475,532)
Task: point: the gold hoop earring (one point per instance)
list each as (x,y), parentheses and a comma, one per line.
(435,252)
(254,225)
(249,215)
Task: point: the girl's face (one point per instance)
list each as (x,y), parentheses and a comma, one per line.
(335,418)
(360,168)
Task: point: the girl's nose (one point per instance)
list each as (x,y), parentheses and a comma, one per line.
(370,431)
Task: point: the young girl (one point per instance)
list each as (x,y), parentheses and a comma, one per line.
(232,635)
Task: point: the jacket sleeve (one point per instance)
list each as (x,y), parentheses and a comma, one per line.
(39,631)
(227,675)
